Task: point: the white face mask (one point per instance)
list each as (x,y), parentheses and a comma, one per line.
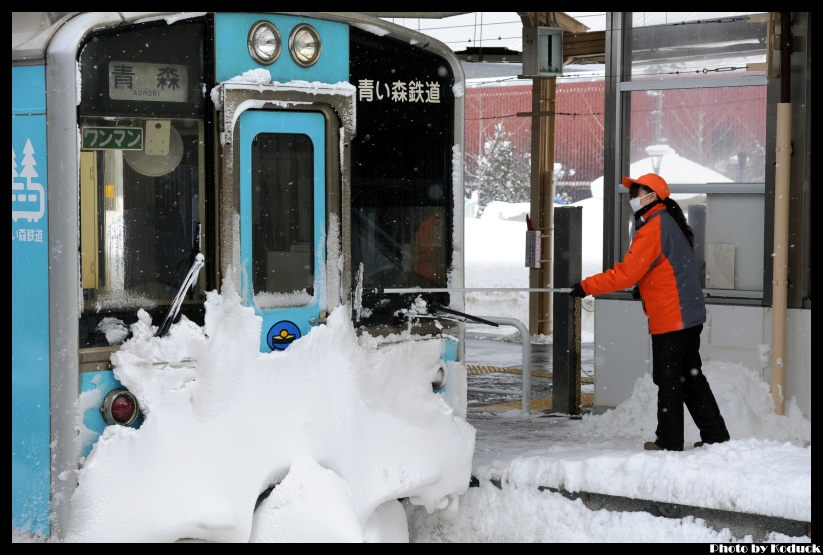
(635,203)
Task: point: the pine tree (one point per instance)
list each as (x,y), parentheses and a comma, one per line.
(502,173)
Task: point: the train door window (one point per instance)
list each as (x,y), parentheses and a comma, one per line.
(141,213)
(282,205)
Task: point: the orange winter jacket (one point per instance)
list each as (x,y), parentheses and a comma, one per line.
(662,263)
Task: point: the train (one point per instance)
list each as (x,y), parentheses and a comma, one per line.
(313,158)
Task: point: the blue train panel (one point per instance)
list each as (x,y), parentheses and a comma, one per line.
(30,491)
(28,90)
(451,350)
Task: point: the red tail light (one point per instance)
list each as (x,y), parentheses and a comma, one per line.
(120,407)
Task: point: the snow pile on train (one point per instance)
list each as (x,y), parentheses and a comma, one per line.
(316,443)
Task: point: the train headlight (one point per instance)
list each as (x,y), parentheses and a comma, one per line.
(304,45)
(120,407)
(264,42)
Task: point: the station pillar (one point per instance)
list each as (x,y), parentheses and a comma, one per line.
(566,350)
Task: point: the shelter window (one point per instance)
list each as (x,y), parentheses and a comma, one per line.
(697,117)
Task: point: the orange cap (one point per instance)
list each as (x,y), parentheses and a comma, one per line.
(652,181)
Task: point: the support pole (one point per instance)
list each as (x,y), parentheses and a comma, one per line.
(781,256)
(780,272)
(544,94)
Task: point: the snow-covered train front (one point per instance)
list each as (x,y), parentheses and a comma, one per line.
(311,159)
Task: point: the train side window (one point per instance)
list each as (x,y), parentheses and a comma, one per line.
(283,258)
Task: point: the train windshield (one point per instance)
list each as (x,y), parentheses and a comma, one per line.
(402,202)
(143,175)
(401,242)
(141,210)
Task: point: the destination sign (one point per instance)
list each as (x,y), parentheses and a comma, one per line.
(148,82)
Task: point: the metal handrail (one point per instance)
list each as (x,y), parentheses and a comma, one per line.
(525,340)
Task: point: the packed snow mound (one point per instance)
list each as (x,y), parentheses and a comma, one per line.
(271,437)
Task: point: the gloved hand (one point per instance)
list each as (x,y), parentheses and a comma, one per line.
(577,291)
(636,292)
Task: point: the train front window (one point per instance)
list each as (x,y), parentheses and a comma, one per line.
(144,189)
(141,211)
(282,206)
(403,184)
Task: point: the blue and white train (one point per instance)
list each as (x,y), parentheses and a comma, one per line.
(317,157)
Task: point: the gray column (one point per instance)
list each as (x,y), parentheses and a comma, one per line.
(566,366)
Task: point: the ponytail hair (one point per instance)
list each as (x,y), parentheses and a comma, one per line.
(676,212)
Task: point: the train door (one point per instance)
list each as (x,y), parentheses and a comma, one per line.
(283,221)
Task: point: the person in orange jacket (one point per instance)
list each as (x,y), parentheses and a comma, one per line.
(662,267)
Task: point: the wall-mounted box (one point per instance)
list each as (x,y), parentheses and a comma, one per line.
(542,51)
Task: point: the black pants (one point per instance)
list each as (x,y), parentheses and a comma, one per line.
(677,372)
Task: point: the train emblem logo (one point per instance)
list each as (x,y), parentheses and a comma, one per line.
(282,334)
